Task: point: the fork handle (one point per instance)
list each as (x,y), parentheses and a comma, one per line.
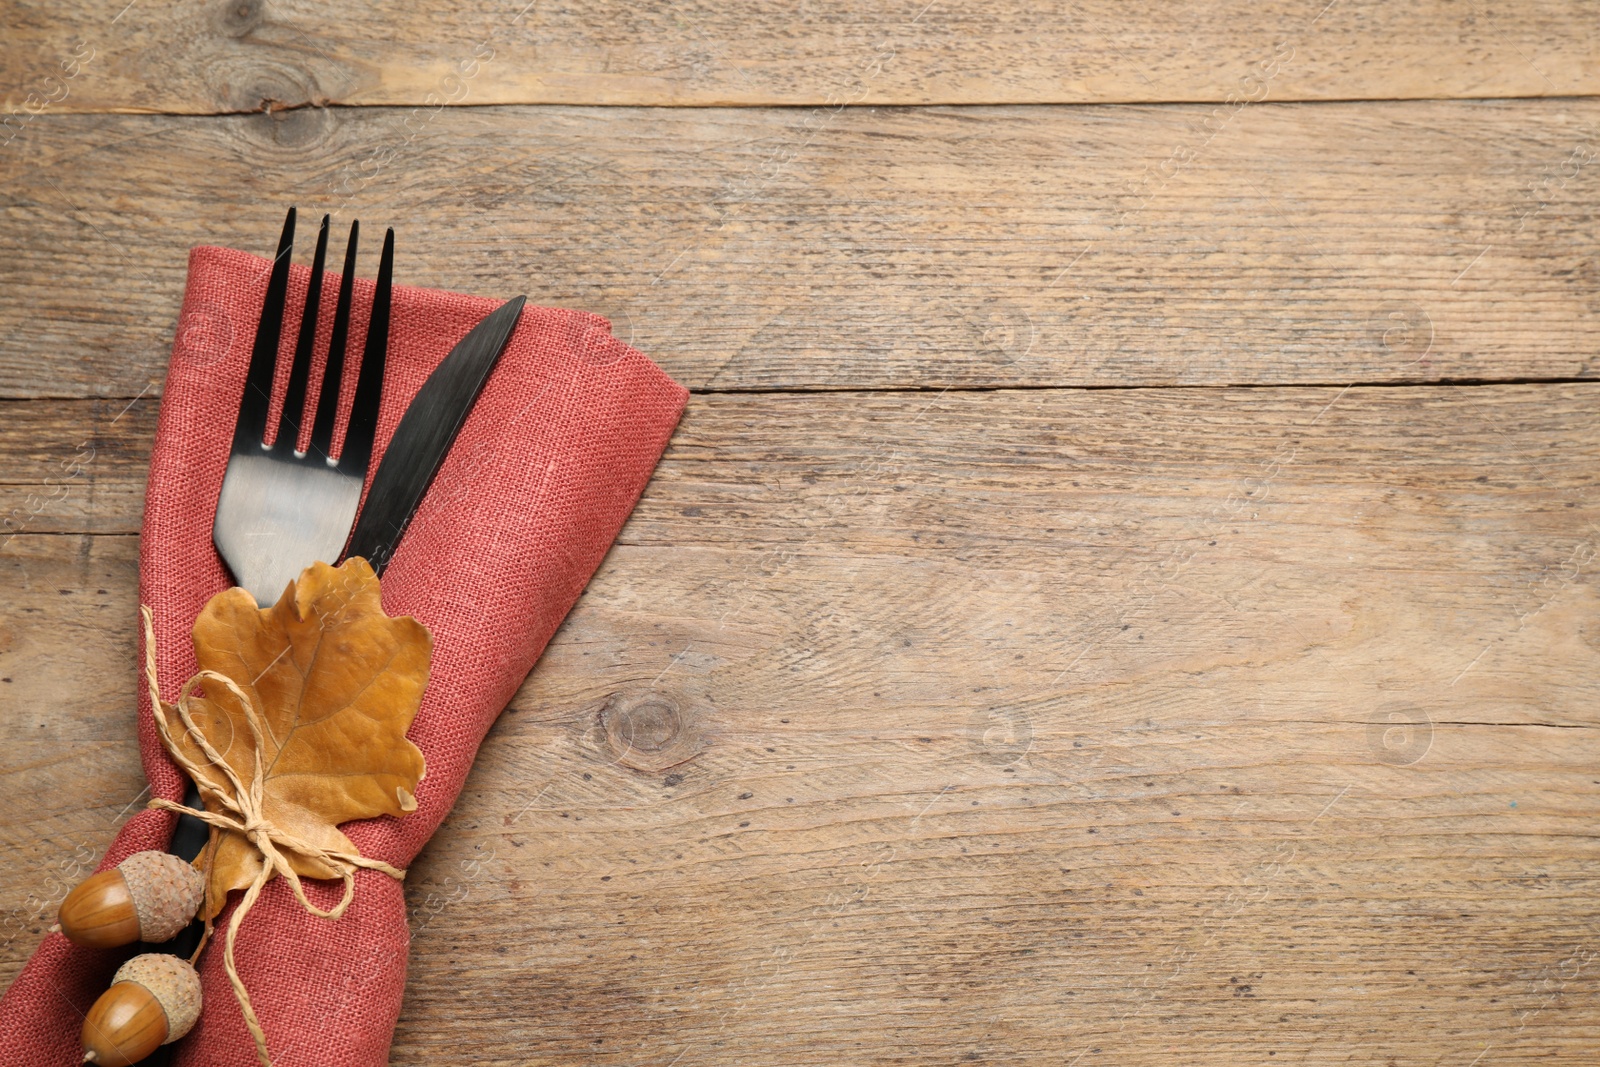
(188,838)
(191,834)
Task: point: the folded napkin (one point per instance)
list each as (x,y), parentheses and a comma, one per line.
(541,479)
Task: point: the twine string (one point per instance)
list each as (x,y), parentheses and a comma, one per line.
(245,815)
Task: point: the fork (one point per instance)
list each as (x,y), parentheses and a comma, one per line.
(282,509)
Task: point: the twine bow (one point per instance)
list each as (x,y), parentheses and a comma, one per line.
(244,815)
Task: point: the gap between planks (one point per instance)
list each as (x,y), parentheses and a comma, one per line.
(737,105)
(1021,387)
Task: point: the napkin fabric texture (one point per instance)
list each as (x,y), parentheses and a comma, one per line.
(545,471)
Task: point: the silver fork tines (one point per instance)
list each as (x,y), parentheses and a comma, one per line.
(280,509)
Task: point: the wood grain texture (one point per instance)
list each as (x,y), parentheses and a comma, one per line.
(70,776)
(875,248)
(1138,726)
(242,55)
(915,718)
(59,474)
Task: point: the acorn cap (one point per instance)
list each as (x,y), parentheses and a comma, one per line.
(166,892)
(174,984)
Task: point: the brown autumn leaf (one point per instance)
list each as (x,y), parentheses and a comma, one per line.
(336,683)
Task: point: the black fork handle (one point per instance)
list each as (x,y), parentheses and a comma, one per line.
(188,838)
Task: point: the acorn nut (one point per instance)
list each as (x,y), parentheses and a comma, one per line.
(154,999)
(149,896)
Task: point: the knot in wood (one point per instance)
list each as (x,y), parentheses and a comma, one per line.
(237,18)
(650,730)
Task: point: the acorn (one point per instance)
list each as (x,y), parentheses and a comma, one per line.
(154,999)
(149,896)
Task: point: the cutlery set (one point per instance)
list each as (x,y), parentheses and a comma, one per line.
(281,509)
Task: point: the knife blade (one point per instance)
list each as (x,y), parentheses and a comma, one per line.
(426,431)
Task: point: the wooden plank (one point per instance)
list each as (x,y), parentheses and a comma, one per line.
(74,469)
(71,771)
(203,58)
(923,248)
(1008,726)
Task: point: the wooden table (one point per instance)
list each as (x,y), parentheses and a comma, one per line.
(1122,590)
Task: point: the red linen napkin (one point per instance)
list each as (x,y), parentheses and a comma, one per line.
(544,473)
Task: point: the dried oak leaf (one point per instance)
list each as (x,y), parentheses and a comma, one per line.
(336,683)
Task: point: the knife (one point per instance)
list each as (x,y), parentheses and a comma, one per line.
(426,431)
